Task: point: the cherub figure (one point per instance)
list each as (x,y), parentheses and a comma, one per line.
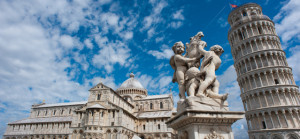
(211,62)
(179,64)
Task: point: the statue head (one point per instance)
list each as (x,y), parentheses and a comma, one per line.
(178,47)
(217,49)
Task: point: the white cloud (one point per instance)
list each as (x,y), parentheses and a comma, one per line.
(110,18)
(88,43)
(294,61)
(164,54)
(228,76)
(228,84)
(111,54)
(154,18)
(159,39)
(159,84)
(160,66)
(151,32)
(178,15)
(176,24)
(177,19)
(108,81)
(128,35)
(66,41)
(288,21)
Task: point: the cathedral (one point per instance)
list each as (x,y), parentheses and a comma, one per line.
(129,112)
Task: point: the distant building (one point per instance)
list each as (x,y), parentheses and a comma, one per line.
(268,90)
(125,113)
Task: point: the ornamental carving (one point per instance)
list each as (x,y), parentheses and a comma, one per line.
(213,135)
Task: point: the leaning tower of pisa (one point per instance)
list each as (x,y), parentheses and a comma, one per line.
(268,91)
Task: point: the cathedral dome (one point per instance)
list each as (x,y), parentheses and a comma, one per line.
(132,88)
(131,83)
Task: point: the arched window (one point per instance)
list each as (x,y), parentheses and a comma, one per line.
(264,124)
(151,106)
(161,105)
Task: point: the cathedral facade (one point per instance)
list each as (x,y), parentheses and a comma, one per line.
(125,113)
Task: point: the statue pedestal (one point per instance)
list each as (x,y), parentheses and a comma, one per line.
(196,119)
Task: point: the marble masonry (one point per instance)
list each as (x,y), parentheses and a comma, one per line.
(268,90)
(204,113)
(129,112)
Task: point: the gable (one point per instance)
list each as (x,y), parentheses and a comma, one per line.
(99,86)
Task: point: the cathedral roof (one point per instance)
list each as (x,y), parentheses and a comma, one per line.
(62,104)
(131,83)
(44,120)
(157,96)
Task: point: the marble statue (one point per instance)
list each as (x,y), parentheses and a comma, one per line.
(179,64)
(204,113)
(197,83)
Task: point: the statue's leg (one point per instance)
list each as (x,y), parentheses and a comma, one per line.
(208,81)
(211,94)
(181,87)
(181,91)
(216,86)
(192,89)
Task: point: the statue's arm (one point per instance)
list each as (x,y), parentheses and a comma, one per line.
(184,59)
(202,51)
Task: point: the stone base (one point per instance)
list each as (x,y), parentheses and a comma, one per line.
(201,124)
(202,103)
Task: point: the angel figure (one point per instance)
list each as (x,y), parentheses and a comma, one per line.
(211,62)
(179,64)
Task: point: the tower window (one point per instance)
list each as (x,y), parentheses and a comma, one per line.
(244,13)
(264,124)
(112,123)
(144,127)
(158,126)
(113,114)
(161,105)
(54,112)
(259,30)
(276,81)
(151,106)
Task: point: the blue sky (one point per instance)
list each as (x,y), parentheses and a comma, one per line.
(56,50)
